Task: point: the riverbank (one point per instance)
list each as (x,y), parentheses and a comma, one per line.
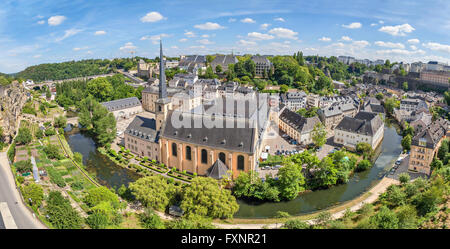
(337,212)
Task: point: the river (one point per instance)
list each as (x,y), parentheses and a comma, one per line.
(112,175)
(322,199)
(106,171)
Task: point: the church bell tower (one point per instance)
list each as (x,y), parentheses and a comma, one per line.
(163,104)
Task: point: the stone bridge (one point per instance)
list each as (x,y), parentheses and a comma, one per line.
(51,83)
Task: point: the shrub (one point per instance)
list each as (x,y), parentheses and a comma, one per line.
(24,166)
(35,193)
(363,165)
(404,177)
(52,151)
(150,220)
(56,177)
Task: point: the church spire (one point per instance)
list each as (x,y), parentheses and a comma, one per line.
(162,74)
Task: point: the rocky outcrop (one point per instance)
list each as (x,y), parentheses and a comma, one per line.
(12,99)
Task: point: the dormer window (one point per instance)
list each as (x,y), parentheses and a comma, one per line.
(422,142)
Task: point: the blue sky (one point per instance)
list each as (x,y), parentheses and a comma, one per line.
(34,32)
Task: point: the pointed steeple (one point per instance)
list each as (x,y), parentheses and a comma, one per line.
(162,74)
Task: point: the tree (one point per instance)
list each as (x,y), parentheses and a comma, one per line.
(100,88)
(325,174)
(101,194)
(296,224)
(365,149)
(154,192)
(34,194)
(39,134)
(291,181)
(319,135)
(379,96)
(385,219)
(363,165)
(405,86)
(78,157)
(447,96)
(150,220)
(284,88)
(60,122)
(390,104)
(24,136)
(406,142)
(407,217)
(443,150)
(60,213)
(205,197)
(218,69)
(23,166)
(52,151)
(404,178)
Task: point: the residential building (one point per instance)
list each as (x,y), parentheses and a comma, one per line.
(297,127)
(425,144)
(332,116)
(294,101)
(142,138)
(365,127)
(144,69)
(223,61)
(412,104)
(124,108)
(263,65)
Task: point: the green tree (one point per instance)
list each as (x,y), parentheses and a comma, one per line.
(284,88)
(443,150)
(219,69)
(407,217)
(24,136)
(205,197)
(319,135)
(23,166)
(384,219)
(61,214)
(33,192)
(150,220)
(154,191)
(405,86)
(101,194)
(291,181)
(404,178)
(52,151)
(363,165)
(406,142)
(365,149)
(100,88)
(296,224)
(390,104)
(60,122)
(78,157)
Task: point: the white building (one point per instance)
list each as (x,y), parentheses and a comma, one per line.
(124,108)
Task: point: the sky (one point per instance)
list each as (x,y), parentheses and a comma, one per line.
(46,31)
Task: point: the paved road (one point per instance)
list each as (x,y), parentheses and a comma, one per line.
(9,194)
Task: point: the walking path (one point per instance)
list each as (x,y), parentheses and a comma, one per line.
(374,193)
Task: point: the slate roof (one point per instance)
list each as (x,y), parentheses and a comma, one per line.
(234,139)
(155,89)
(261,60)
(374,108)
(224,60)
(143,128)
(121,104)
(337,109)
(298,122)
(432,134)
(364,123)
(217,170)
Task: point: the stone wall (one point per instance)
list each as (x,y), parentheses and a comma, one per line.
(12,99)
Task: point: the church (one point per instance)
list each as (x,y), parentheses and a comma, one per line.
(230,146)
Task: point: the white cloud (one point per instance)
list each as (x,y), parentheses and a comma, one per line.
(284,33)
(248,20)
(89,52)
(381,22)
(264,26)
(373,24)
(246,43)
(154,38)
(100,32)
(353,25)
(152,17)
(389,44)
(325,39)
(414,41)
(128,46)
(231,20)
(399,30)
(413,47)
(41,22)
(197,47)
(279,19)
(56,20)
(183,40)
(400,52)
(68,33)
(205,36)
(78,49)
(362,43)
(437,47)
(346,38)
(208,26)
(205,41)
(189,34)
(260,36)
(174,47)
(37,56)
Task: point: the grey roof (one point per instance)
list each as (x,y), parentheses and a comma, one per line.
(364,123)
(121,104)
(155,89)
(432,134)
(298,122)
(143,128)
(224,60)
(261,59)
(337,109)
(234,139)
(374,108)
(218,170)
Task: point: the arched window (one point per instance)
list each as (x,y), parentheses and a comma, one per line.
(222,157)
(240,162)
(174,149)
(159,108)
(204,156)
(188,153)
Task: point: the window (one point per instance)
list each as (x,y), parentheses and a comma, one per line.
(159,108)
(222,157)
(188,153)
(240,162)
(204,156)
(174,149)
